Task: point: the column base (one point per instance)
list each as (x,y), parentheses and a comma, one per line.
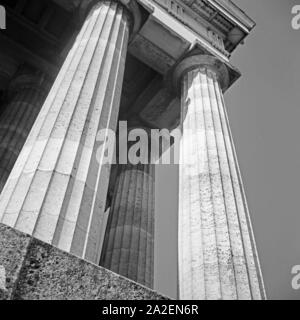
(33,270)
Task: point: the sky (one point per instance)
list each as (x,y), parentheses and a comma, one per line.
(264,113)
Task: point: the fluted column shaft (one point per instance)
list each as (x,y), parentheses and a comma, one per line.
(217,253)
(129,241)
(58,187)
(28,91)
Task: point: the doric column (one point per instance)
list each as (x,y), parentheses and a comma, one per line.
(217,253)
(27,92)
(128,247)
(58,187)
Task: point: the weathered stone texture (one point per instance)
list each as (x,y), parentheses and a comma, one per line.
(13,250)
(35,270)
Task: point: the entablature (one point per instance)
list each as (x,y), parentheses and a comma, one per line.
(171,27)
(220,22)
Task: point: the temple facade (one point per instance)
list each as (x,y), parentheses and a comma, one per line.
(72,68)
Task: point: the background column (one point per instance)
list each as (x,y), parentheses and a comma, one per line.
(58,187)
(129,241)
(217,253)
(27,92)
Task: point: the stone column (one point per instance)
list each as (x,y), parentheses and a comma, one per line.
(129,241)
(217,253)
(27,92)
(58,187)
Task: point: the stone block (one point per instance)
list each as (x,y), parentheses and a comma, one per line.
(33,270)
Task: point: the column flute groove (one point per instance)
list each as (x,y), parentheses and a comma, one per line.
(196,278)
(253,263)
(210,146)
(222,184)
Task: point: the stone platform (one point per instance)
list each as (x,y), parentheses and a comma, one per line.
(33,270)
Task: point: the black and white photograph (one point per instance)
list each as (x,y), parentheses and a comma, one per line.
(149,153)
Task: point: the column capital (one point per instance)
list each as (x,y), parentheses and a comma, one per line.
(215,65)
(131,6)
(31,78)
